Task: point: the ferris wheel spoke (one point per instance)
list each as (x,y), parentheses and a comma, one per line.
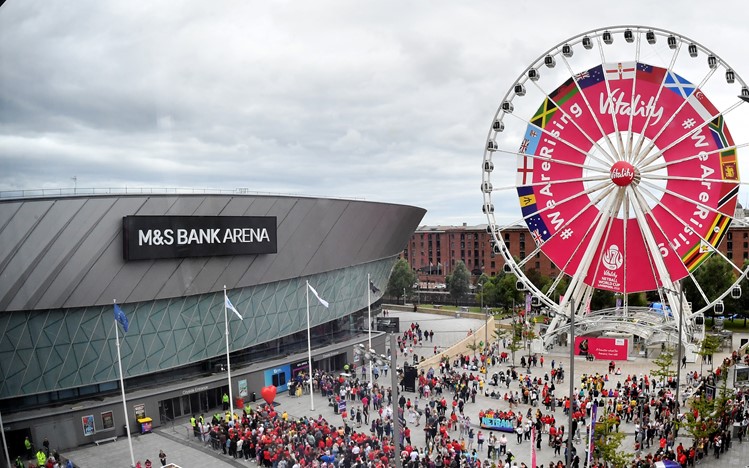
(608,218)
(672,193)
(610,157)
(656,167)
(625,234)
(697,128)
(601,186)
(666,125)
(562,140)
(655,257)
(556,161)
(687,225)
(640,210)
(693,179)
(606,190)
(577,285)
(641,138)
(598,178)
(627,150)
(611,154)
(699,288)
(614,122)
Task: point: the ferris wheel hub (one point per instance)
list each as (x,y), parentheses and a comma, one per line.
(623,173)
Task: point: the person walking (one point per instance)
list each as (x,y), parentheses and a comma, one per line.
(503,444)
(162,457)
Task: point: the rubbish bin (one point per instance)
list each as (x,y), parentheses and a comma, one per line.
(253,397)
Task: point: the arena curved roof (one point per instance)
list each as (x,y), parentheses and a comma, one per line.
(67,252)
(62,265)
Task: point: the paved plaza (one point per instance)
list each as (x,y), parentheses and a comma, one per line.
(185,451)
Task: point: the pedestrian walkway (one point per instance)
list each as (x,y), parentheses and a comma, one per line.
(185,451)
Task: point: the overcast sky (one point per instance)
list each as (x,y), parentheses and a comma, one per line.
(387,101)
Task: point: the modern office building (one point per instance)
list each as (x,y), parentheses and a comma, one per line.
(166,259)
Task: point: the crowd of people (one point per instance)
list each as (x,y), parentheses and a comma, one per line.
(365,434)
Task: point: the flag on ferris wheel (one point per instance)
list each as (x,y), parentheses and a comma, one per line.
(650,73)
(702,105)
(620,71)
(591,77)
(705,247)
(678,85)
(720,133)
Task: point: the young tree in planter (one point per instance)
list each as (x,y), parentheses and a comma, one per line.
(607,444)
(664,363)
(709,346)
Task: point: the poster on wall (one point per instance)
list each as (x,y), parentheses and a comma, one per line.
(607,349)
(88,425)
(140,411)
(242,384)
(278,377)
(107,420)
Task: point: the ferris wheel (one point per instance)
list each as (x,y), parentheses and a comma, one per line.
(626,175)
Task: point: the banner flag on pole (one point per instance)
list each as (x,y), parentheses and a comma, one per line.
(322,301)
(231,307)
(533,446)
(120,316)
(373,288)
(592,434)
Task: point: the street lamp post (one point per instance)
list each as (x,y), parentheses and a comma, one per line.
(681,324)
(571,378)
(529,327)
(486,316)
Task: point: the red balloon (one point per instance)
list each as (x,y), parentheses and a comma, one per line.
(268,393)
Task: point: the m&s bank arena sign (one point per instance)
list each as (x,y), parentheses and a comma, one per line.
(154,237)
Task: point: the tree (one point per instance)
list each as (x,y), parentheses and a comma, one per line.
(637,300)
(459,282)
(481,283)
(699,421)
(535,277)
(608,441)
(602,299)
(714,276)
(515,334)
(507,291)
(473,346)
(740,306)
(706,414)
(401,278)
(710,344)
(664,362)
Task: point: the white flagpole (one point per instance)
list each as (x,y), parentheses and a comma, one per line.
(228,364)
(369,319)
(122,387)
(309,356)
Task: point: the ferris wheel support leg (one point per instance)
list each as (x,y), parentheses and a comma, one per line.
(577,290)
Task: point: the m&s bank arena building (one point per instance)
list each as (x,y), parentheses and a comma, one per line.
(165,259)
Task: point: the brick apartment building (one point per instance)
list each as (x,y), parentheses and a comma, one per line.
(433,251)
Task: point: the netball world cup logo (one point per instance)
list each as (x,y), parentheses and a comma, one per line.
(612,258)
